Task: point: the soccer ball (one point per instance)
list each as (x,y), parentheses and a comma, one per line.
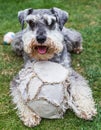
(43,87)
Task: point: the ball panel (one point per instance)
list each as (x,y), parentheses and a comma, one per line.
(53,93)
(45,109)
(34,87)
(50,72)
(25,76)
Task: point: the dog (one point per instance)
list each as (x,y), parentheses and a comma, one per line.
(71,38)
(46,38)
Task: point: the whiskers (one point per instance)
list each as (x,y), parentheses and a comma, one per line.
(51,49)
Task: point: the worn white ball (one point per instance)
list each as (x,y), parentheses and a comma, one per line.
(43,87)
(8,38)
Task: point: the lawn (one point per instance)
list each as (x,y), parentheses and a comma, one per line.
(85,16)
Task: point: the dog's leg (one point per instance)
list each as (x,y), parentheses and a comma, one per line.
(73,40)
(29,118)
(80,97)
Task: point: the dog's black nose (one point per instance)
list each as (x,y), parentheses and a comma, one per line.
(41,38)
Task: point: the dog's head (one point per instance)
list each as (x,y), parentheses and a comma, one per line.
(43,36)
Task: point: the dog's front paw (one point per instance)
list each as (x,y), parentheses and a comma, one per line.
(31,119)
(87,114)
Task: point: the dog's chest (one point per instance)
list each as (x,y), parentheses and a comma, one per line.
(44,88)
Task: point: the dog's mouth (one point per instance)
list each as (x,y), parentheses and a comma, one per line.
(41,49)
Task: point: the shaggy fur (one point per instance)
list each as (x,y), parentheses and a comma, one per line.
(59,42)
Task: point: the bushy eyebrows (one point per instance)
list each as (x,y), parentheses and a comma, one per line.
(49,19)
(33,18)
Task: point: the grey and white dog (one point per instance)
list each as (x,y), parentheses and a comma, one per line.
(46,38)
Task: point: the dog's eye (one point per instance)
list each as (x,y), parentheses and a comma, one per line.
(31,23)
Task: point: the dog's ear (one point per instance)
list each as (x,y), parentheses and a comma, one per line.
(23,14)
(61,16)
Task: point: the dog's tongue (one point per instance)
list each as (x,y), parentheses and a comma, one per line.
(42,49)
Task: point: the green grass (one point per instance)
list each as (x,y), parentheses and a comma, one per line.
(85,16)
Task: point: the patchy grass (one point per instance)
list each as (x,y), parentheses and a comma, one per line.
(85,16)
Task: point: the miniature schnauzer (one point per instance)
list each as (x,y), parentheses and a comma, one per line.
(46,38)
